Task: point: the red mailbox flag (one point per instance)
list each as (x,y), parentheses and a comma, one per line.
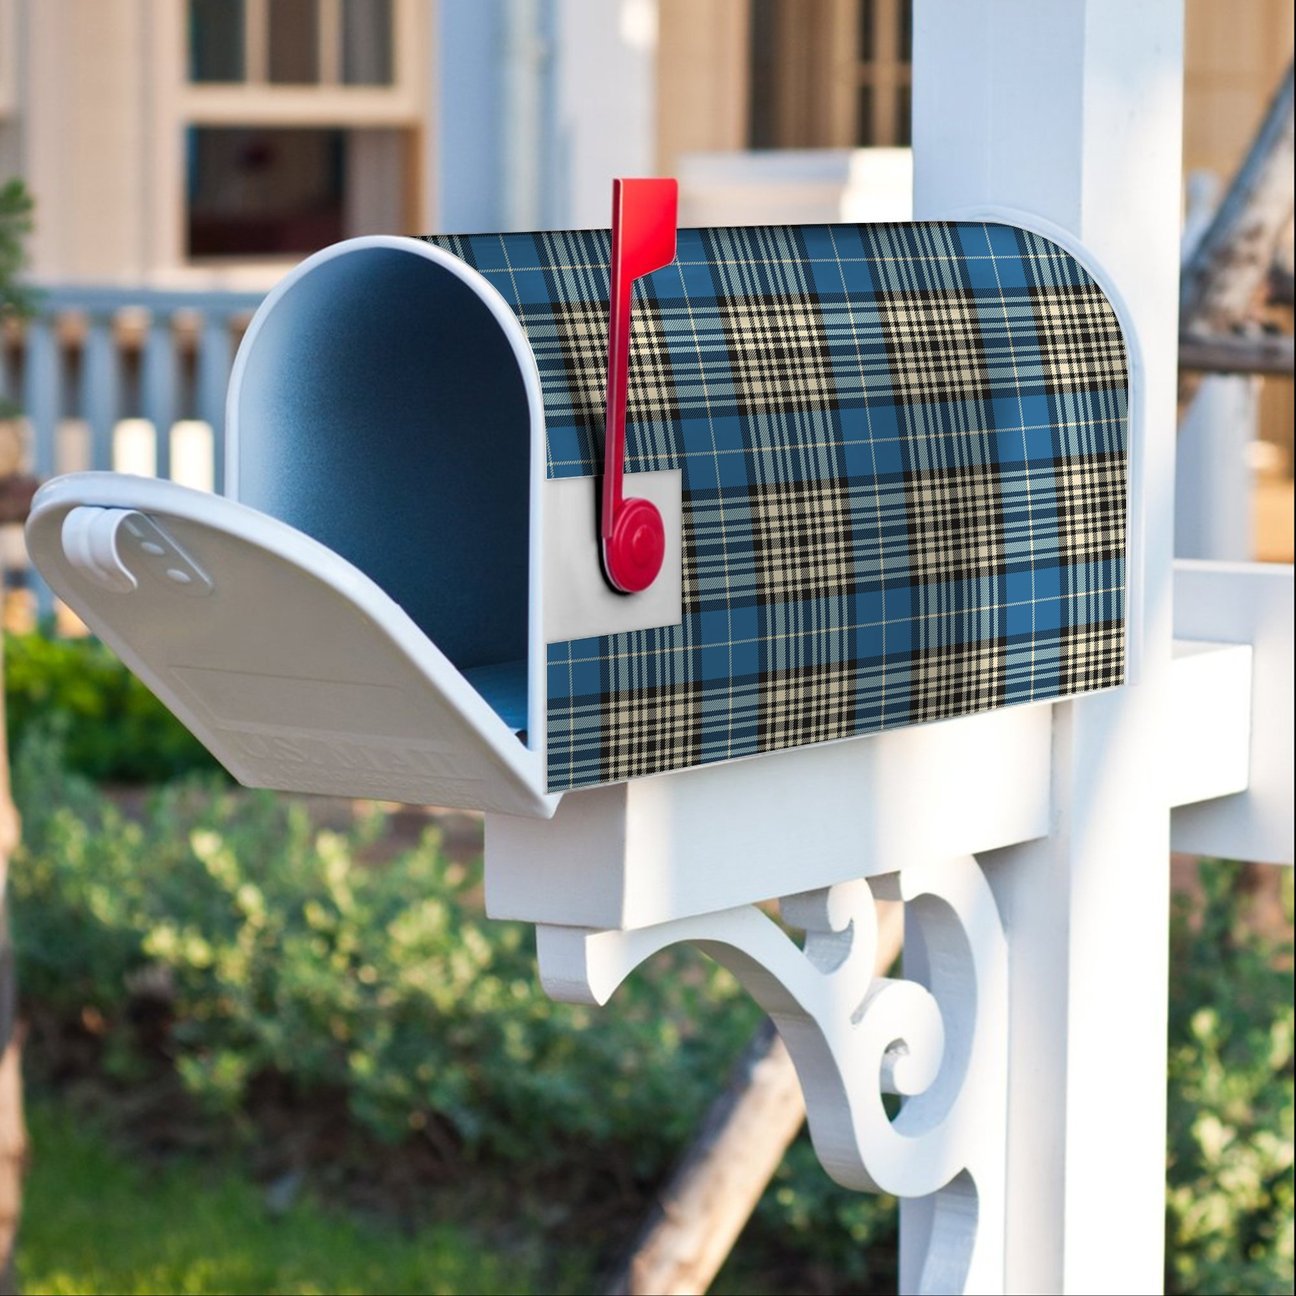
(644,217)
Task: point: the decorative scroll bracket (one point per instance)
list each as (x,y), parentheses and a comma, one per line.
(938,1037)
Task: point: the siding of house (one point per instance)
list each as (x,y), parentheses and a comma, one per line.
(95,115)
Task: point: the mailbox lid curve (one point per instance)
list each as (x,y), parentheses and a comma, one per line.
(294,669)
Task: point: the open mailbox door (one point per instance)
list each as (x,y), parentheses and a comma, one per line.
(362,619)
(293,667)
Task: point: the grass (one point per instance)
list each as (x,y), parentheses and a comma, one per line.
(95,1220)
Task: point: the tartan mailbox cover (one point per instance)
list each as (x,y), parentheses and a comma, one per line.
(903,451)
(898,461)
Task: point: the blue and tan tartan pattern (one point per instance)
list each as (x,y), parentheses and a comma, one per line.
(903,451)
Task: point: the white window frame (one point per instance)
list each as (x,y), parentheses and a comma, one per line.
(182,103)
(319,103)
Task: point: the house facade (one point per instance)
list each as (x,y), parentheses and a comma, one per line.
(206,146)
(209,143)
(213,142)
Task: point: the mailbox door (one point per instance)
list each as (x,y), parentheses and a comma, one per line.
(286,661)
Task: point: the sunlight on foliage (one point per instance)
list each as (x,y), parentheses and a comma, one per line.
(278,952)
(274,949)
(96,1221)
(1230,1197)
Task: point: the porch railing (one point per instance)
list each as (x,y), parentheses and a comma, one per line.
(127,379)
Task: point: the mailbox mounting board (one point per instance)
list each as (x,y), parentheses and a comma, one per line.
(904,459)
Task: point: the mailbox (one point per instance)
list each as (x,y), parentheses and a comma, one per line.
(888,463)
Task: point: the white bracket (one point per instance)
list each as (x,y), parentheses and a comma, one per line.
(1249,607)
(936,1037)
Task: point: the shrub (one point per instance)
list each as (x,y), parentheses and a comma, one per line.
(112,727)
(283,954)
(1229,1199)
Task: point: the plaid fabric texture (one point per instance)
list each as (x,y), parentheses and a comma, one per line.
(903,451)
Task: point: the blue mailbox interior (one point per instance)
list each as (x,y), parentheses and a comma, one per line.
(382,411)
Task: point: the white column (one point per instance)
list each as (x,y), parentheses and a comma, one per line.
(1072,113)
(605,77)
(540,104)
(1214,512)
(468,120)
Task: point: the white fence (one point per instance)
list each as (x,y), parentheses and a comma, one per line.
(131,380)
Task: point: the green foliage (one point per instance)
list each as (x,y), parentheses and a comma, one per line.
(15,224)
(283,954)
(111,726)
(1230,1197)
(94,1221)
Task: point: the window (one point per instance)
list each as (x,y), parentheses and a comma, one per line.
(216,50)
(291,42)
(298,123)
(830,73)
(293,53)
(883,69)
(366,42)
(264,192)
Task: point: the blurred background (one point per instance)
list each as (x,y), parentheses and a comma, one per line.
(257,1061)
(183,154)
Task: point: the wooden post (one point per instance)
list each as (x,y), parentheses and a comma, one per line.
(699,1213)
(1071,114)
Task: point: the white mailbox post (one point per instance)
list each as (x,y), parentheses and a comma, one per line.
(1073,112)
(322,634)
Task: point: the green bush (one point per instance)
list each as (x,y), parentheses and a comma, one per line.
(846,1240)
(1229,1200)
(281,953)
(113,728)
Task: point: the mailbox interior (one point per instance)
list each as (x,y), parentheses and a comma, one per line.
(385,403)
